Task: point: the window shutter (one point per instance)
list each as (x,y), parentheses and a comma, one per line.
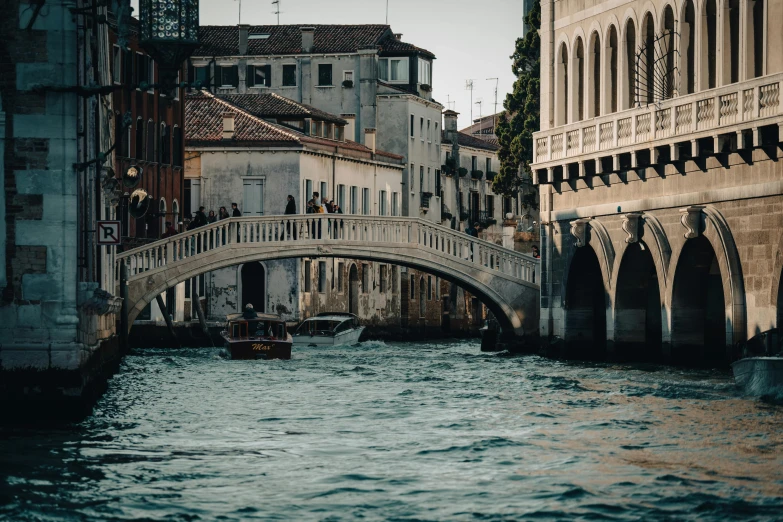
(235,75)
(268,75)
(250,78)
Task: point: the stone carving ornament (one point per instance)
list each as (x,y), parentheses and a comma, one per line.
(579,231)
(691,220)
(631,227)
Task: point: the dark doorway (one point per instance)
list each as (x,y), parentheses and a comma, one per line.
(585,308)
(474,208)
(353,290)
(171,302)
(254,286)
(698,309)
(637,326)
(422,299)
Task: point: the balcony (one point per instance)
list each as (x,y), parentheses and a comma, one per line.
(740,108)
(486,218)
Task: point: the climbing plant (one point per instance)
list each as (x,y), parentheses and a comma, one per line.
(520,119)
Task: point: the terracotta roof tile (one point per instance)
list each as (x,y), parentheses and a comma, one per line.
(268,105)
(466,140)
(393,46)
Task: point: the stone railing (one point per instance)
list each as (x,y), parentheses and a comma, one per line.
(363,232)
(722,110)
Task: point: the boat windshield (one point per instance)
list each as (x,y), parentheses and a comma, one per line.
(317,326)
(256,328)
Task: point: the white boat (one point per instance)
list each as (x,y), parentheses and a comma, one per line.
(329,329)
(760,371)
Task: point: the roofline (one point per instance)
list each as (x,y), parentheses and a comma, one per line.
(300,147)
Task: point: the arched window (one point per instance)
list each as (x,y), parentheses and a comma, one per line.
(578,82)
(119,137)
(594,76)
(668,86)
(164,151)
(646,64)
(754,39)
(731,42)
(629,99)
(139,139)
(688,49)
(561,90)
(610,78)
(709,41)
(150,141)
(175,214)
(176,138)
(162,214)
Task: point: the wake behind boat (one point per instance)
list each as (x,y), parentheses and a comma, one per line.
(329,329)
(256,336)
(760,370)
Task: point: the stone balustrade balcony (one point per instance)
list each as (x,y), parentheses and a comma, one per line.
(682,127)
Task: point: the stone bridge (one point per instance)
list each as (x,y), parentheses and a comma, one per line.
(506,281)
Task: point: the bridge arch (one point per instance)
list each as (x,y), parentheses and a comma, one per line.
(500,278)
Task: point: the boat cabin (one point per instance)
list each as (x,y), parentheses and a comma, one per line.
(328,324)
(264,326)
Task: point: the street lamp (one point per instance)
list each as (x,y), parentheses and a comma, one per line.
(168,32)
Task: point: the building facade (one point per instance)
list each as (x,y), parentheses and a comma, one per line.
(659,177)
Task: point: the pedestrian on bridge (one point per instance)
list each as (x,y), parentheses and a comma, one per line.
(211,218)
(223,213)
(235,210)
(290,209)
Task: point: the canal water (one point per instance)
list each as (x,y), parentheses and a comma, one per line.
(408,431)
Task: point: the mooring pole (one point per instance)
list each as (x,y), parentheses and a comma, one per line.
(195,300)
(124,310)
(167,317)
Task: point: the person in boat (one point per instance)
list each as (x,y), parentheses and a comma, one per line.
(250,312)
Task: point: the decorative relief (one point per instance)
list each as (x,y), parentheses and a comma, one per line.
(691,220)
(631,227)
(579,231)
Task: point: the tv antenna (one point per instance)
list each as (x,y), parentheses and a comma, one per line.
(479,102)
(276,3)
(240,13)
(387,12)
(449,103)
(496,93)
(469,87)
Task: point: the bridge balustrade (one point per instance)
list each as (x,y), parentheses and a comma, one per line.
(327,230)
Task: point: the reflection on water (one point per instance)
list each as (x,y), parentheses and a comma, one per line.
(401,431)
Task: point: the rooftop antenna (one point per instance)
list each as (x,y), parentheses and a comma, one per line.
(449,103)
(387,12)
(479,102)
(496,93)
(276,3)
(469,87)
(240,13)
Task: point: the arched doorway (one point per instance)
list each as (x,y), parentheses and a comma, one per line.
(688,49)
(698,309)
(254,286)
(353,290)
(731,42)
(561,91)
(629,100)
(585,308)
(594,72)
(610,82)
(578,75)
(637,324)
(709,45)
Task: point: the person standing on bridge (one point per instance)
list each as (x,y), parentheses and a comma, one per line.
(473,232)
(235,210)
(223,213)
(535,252)
(170,230)
(290,209)
(211,218)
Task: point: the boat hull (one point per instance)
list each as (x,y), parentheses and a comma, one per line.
(258,349)
(759,375)
(341,339)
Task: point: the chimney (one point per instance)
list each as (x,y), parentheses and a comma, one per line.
(308,34)
(450,120)
(350,133)
(243,30)
(228,125)
(398,36)
(369,139)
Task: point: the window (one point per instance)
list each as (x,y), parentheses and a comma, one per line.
(395,204)
(116,64)
(253,197)
(176,138)
(382,278)
(365,278)
(429,288)
(127,68)
(425,68)
(491,206)
(339,132)
(488,167)
(323,192)
(201,75)
(393,70)
(348,76)
(354,200)
(150,141)
(324,74)
(142,69)
(382,203)
(413,288)
(228,76)
(507,208)
(139,139)
(429,183)
(437,289)
(289,75)
(473,163)
(192,198)
(340,270)
(412,125)
(259,76)
(164,151)
(437,134)
(341,196)
(421,129)
(429,131)
(307,276)
(413,173)
(308,189)
(366,201)
(395,271)
(421,179)
(151,73)
(321,277)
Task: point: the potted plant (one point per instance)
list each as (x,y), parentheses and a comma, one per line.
(477,174)
(348,84)
(463,172)
(491,175)
(425,87)
(446,216)
(463,216)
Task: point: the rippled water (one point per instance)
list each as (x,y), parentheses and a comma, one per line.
(401,432)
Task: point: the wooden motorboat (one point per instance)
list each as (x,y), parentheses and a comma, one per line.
(262,337)
(329,329)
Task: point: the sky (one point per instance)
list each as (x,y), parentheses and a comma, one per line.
(471,39)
